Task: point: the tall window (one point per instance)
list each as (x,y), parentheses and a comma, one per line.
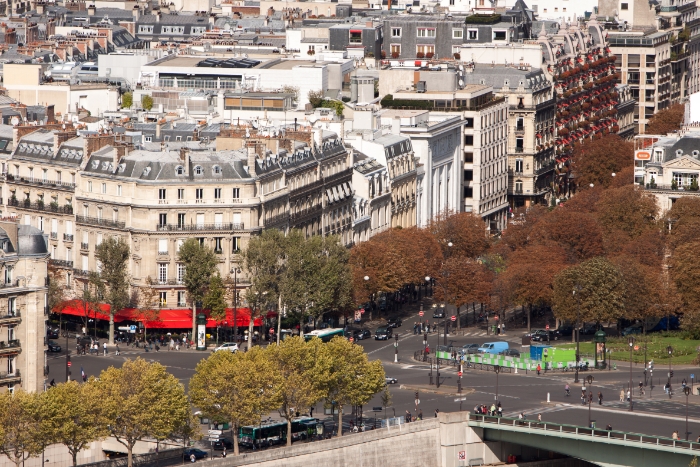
(217,193)
(217,245)
(163,299)
(180,273)
(89,186)
(181,300)
(199,193)
(162,273)
(236,244)
(395,32)
(181,219)
(119,190)
(162,219)
(104,188)
(161,194)
(518,165)
(12,306)
(45,175)
(180,193)
(236,193)
(99,213)
(162,246)
(8,275)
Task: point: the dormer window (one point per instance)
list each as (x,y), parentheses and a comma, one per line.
(180,170)
(198,170)
(217,170)
(146,171)
(95,164)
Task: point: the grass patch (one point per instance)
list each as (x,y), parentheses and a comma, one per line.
(685,349)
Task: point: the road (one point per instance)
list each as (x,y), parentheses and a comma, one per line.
(526,393)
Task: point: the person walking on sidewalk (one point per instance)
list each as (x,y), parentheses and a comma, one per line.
(600,398)
(539,368)
(116,352)
(622,395)
(104,348)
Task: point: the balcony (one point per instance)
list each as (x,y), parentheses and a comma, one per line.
(545,168)
(520,129)
(81,272)
(61,263)
(99,221)
(162,253)
(40,206)
(11,318)
(519,149)
(84,246)
(68,237)
(39,182)
(218,251)
(10,347)
(223,226)
(54,235)
(10,378)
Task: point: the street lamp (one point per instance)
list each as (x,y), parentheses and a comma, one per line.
(366,278)
(396,348)
(427,282)
(497,370)
(589,378)
(235,272)
(630,341)
(686,390)
(591,185)
(576,328)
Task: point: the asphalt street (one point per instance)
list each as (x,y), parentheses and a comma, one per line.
(654,413)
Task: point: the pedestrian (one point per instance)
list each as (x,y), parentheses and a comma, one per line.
(415,328)
(539,417)
(583,397)
(521,416)
(223,454)
(116,351)
(539,368)
(600,398)
(492,411)
(408,416)
(193,459)
(609,427)
(420,414)
(177,344)
(436,412)
(52,383)
(622,395)
(675,435)
(104,347)
(628,395)
(503,328)
(684,383)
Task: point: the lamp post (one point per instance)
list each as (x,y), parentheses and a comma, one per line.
(427,283)
(686,390)
(396,348)
(437,362)
(630,341)
(669,349)
(576,328)
(366,278)
(235,272)
(589,379)
(497,370)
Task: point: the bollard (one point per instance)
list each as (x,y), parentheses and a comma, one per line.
(548,398)
(516,370)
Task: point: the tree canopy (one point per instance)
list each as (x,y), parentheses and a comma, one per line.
(596,160)
(113,256)
(200,264)
(666,121)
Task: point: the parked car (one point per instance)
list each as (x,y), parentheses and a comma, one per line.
(389,380)
(493,347)
(394,323)
(361,334)
(510,353)
(566,330)
(383,333)
(439,313)
(634,329)
(541,335)
(53,347)
(589,328)
(223,442)
(52,333)
(229,346)
(198,454)
(470,348)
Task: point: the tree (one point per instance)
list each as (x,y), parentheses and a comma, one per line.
(294,90)
(381,262)
(127,100)
(56,294)
(353,379)
(643,289)
(19,426)
(301,368)
(464,230)
(628,209)
(387,398)
(200,263)
(596,160)
(147,102)
(149,305)
(600,292)
(142,400)
(519,232)
(686,278)
(215,300)
(315,98)
(74,413)
(89,300)
(113,256)
(578,233)
(238,387)
(666,121)
(463,281)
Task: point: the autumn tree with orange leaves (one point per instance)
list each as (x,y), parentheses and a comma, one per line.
(596,160)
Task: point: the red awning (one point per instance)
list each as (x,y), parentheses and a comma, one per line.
(356,31)
(81,309)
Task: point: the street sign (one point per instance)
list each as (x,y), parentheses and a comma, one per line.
(272,330)
(453,318)
(462,455)
(215,432)
(692,376)
(546,327)
(377,409)
(459,374)
(417,401)
(460,399)
(132,329)
(362,311)
(69,364)
(420,313)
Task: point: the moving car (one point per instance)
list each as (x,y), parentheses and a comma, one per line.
(510,353)
(439,313)
(382,333)
(223,442)
(470,348)
(542,336)
(52,333)
(361,334)
(493,347)
(394,323)
(389,380)
(53,347)
(198,454)
(230,346)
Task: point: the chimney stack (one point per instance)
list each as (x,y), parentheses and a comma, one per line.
(135,12)
(91,10)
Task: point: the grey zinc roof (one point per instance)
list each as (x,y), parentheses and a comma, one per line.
(174,19)
(31,241)
(498,75)
(687,144)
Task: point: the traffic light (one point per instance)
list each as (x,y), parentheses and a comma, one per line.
(671,373)
(417,395)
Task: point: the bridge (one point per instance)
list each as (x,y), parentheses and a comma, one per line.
(601,447)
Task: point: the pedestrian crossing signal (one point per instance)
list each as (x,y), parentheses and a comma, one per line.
(417,395)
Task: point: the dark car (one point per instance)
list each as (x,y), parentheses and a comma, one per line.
(53,347)
(198,454)
(394,323)
(511,353)
(589,328)
(565,330)
(541,336)
(634,329)
(223,442)
(52,333)
(361,334)
(382,333)
(470,348)
(439,313)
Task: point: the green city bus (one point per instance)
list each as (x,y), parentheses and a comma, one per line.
(325,334)
(270,434)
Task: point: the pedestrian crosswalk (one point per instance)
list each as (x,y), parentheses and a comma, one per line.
(536,411)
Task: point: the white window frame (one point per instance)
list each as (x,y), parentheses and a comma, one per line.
(162,273)
(394,30)
(457,33)
(426,32)
(469,34)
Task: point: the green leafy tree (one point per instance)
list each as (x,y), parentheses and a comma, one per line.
(127,100)
(315,98)
(215,300)
(147,102)
(600,292)
(236,387)
(19,426)
(200,264)
(387,398)
(113,255)
(302,370)
(142,400)
(353,379)
(148,304)
(74,414)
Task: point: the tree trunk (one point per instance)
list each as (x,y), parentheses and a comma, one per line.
(459,320)
(194,323)
(529,318)
(340,419)
(289,431)
(251,324)
(236,449)
(111,325)
(130,456)
(74,454)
